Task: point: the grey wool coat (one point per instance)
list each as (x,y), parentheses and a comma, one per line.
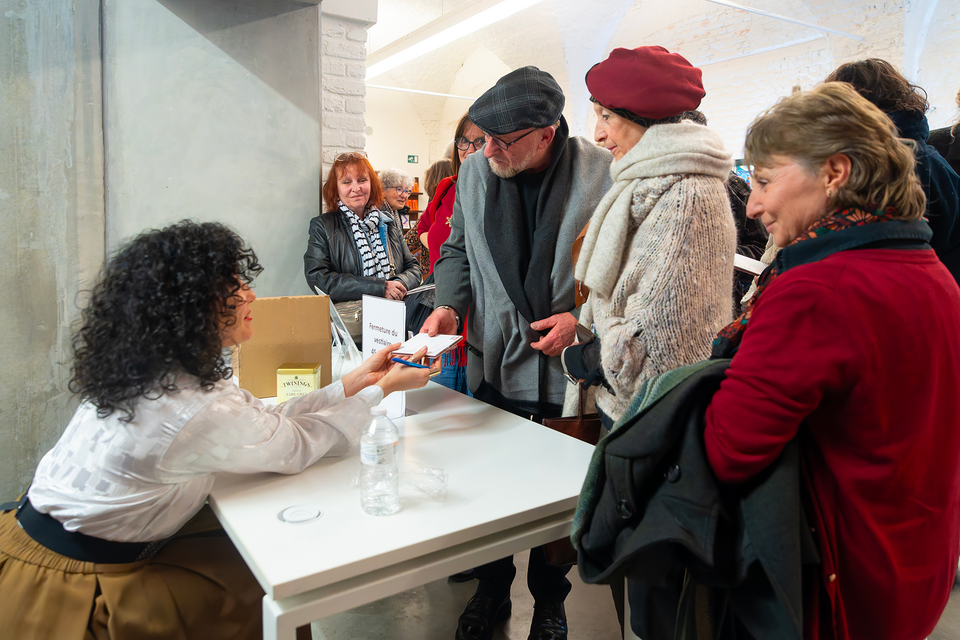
(469,281)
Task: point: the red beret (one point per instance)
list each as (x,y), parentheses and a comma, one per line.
(648,81)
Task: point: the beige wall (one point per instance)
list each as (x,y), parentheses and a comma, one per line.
(395,131)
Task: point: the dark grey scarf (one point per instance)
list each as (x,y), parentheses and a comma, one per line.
(530,292)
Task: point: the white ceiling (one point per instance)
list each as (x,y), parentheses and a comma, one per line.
(770,56)
(564,37)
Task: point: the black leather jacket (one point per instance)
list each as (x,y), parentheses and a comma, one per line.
(332,261)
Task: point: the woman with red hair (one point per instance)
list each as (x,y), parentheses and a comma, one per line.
(355,249)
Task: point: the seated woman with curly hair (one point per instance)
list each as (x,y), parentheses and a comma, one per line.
(112,540)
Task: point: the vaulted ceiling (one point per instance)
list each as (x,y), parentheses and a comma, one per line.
(566,37)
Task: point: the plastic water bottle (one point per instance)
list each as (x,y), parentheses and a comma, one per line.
(379,477)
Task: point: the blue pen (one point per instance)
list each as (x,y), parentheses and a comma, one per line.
(410,364)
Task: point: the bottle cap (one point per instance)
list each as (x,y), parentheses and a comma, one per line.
(378,411)
(300,514)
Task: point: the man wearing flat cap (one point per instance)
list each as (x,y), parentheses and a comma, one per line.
(507,270)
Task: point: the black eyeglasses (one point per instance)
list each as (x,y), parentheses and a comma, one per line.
(463,144)
(503,145)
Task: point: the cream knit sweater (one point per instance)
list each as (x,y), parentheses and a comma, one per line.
(658,259)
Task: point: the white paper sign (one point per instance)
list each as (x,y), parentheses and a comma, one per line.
(749,265)
(384,323)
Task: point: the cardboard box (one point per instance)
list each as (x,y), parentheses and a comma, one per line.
(286,329)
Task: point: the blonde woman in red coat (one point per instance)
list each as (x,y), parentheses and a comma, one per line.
(851,346)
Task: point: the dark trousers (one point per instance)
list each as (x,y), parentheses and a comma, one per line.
(535,411)
(546,583)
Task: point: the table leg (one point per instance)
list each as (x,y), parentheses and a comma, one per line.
(277,626)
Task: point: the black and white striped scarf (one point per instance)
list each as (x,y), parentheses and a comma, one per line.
(366,233)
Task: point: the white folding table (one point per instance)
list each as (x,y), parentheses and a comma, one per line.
(512,485)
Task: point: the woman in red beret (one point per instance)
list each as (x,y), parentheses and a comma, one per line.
(658,254)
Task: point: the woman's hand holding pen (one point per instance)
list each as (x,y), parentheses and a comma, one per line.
(391,376)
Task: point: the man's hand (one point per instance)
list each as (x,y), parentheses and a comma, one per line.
(395,290)
(563,331)
(442,321)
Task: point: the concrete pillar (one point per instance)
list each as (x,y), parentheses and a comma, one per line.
(212,112)
(51,205)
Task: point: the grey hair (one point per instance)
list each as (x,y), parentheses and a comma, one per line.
(395,178)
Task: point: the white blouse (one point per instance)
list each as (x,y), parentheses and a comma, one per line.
(141,481)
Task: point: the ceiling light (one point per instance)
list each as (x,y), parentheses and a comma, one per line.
(418,91)
(449,27)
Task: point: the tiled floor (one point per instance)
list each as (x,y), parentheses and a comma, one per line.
(949,626)
(430,612)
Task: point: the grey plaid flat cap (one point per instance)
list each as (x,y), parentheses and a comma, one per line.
(523,99)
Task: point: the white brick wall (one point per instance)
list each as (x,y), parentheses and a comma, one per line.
(939,65)
(343,51)
(739,89)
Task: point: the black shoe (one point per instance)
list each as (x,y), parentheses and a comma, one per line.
(482,614)
(549,622)
(463,576)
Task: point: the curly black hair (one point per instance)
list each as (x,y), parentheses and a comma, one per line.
(160,308)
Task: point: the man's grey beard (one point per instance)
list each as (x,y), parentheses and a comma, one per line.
(512,169)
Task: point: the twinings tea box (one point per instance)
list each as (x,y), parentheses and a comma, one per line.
(296,379)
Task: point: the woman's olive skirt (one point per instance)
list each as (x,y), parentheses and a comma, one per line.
(196,586)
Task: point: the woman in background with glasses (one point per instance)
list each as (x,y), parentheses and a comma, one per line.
(432,177)
(434,229)
(397,187)
(354,248)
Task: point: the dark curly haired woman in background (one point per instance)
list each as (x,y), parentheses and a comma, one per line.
(906,105)
(112,539)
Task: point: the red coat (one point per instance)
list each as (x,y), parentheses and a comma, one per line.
(436,218)
(859,353)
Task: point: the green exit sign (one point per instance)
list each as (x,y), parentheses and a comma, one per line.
(413,159)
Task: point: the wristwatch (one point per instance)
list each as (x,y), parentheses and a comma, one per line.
(455,314)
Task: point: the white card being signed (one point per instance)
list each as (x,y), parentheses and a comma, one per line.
(435,345)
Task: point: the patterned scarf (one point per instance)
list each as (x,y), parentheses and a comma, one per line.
(366,233)
(728,339)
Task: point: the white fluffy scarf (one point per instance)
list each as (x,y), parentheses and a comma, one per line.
(664,150)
